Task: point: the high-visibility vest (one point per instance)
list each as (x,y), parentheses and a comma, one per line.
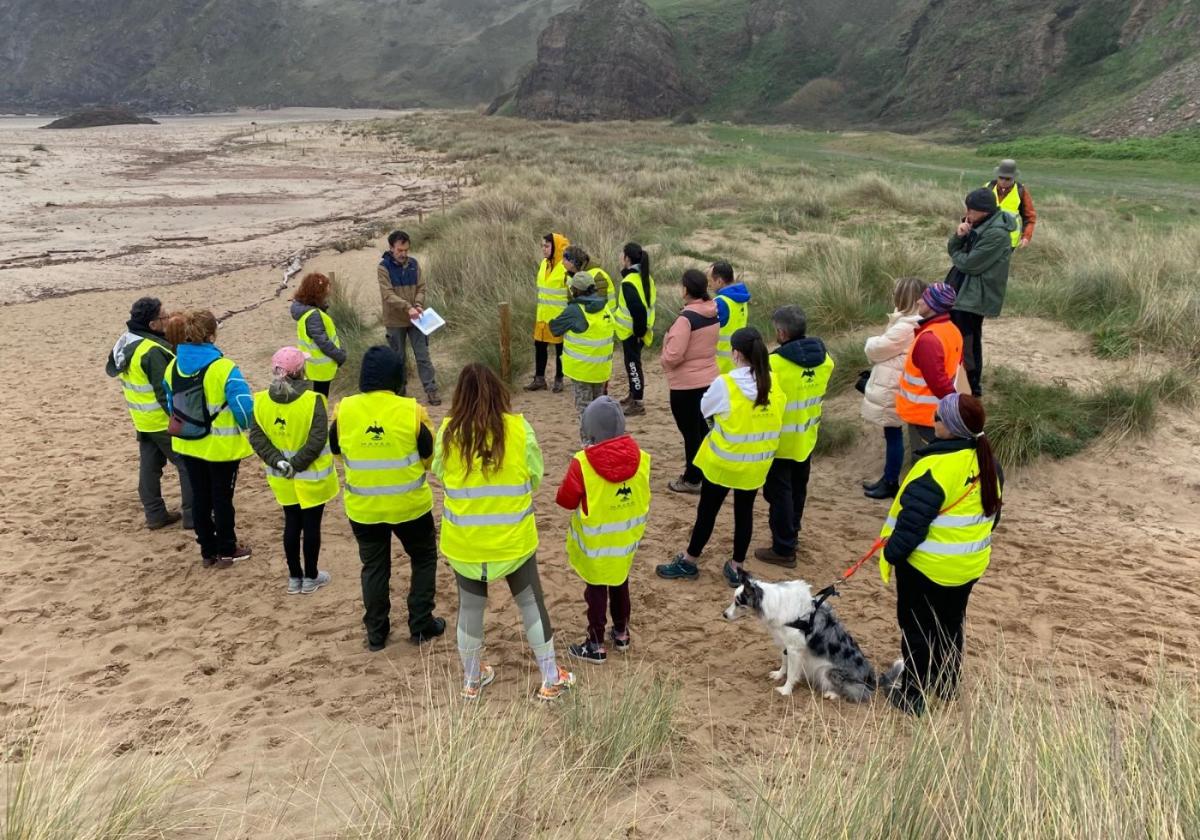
(601,543)
(319,367)
(621,316)
(958,547)
(915,402)
(603,279)
(1010,204)
(385,478)
(738,451)
(551,291)
(287,426)
(804,390)
(739,316)
(587,356)
(147,414)
(225,440)
(488,518)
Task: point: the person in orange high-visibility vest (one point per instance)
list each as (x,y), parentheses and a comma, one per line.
(930,367)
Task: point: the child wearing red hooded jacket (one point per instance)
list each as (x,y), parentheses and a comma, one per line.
(608,487)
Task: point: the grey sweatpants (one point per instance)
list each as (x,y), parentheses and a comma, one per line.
(154,451)
(396,338)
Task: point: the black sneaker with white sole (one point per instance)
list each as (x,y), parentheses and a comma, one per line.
(589,652)
(620,641)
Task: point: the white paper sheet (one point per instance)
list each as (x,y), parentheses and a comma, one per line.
(429,321)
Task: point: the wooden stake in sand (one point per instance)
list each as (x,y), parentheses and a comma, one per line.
(505,341)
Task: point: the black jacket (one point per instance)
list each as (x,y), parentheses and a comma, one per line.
(154,363)
(633,302)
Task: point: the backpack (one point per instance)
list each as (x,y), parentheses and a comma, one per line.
(190,417)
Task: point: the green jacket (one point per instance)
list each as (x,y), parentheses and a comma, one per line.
(982,256)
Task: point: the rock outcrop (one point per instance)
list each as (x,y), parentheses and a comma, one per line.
(93,117)
(606,60)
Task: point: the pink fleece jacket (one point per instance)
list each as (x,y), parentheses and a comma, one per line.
(689,356)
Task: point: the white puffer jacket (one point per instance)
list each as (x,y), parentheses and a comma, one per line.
(886,354)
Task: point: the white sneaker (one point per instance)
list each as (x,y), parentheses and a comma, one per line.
(294,585)
(311,585)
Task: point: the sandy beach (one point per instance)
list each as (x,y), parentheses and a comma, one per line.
(1094,567)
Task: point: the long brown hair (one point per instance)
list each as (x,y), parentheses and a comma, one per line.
(194,327)
(749,342)
(974,417)
(476,424)
(313,290)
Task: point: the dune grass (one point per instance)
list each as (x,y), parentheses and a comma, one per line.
(356,331)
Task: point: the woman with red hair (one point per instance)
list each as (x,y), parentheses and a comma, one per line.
(316,332)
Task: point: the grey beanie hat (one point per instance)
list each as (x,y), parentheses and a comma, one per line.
(602,420)
(581,281)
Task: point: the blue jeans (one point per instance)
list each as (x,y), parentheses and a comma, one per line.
(893,459)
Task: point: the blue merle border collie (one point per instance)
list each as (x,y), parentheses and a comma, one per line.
(814,644)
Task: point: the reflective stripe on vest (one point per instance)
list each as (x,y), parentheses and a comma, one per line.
(287,426)
(144,410)
(225,441)
(601,544)
(804,389)
(385,478)
(915,401)
(488,517)
(623,321)
(319,367)
(587,356)
(551,291)
(737,453)
(739,316)
(957,547)
(1011,204)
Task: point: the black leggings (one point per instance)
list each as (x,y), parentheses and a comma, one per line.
(712,496)
(631,350)
(306,521)
(541,355)
(931,633)
(689,419)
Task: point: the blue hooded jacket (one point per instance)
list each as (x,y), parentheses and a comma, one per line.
(738,293)
(190,358)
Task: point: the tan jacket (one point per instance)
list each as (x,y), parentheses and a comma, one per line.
(398,299)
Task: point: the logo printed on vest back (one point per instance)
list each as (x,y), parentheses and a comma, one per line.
(625,491)
(375,430)
(809,373)
(279,421)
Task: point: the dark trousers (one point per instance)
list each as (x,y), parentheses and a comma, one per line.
(322,387)
(213,483)
(375,551)
(893,453)
(712,496)
(398,338)
(598,600)
(931,632)
(154,452)
(541,355)
(918,438)
(971,327)
(786,491)
(302,522)
(685,408)
(631,351)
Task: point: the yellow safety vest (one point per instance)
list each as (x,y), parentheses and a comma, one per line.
(604,284)
(587,356)
(488,518)
(1011,204)
(958,547)
(287,426)
(319,367)
(225,441)
(621,316)
(551,291)
(147,414)
(804,390)
(739,316)
(737,453)
(385,478)
(601,543)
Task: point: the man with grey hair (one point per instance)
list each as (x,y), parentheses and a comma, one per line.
(802,368)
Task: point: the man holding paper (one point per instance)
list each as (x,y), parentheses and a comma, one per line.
(402,289)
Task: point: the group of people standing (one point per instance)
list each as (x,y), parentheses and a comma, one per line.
(749,418)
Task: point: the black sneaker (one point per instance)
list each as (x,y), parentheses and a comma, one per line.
(678,568)
(732,576)
(620,641)
(435,628)
(558,386)
(589,652)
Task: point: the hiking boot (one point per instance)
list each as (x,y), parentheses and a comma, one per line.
(871,485)
(679,485)
(470,690)
(678,568)
(375,647)
(214,562)
(435,628)
(538,383)
(311,585)
(885,490)
(770,555)
(636,409)
(556,689)
(294,585)
(169,518)
(589,652)
(558,386)
(432,398)
(732,576)
(621,641)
